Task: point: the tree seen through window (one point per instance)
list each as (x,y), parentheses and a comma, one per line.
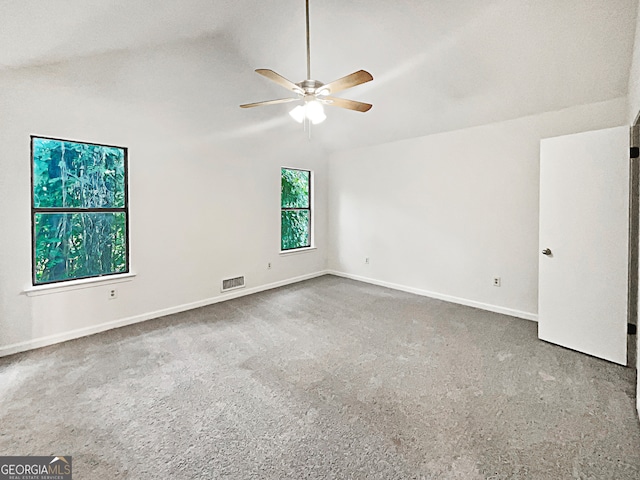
(79,210)
(295,208)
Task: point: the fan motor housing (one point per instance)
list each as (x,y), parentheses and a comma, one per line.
(310,86)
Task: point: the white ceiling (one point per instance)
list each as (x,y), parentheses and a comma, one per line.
(437,65)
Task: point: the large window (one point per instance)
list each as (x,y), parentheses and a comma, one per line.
(79,210)
(295,194)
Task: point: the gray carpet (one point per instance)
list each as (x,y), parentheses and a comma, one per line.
(328,378)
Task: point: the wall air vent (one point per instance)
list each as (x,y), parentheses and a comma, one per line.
(232,283)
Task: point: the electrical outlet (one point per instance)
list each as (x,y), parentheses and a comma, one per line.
(269,266)
(366,260)
(496,281)
(113,294)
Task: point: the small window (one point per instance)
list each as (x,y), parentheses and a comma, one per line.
(295,194)
(79,210)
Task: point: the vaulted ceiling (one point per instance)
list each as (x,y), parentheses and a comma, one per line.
(438,65)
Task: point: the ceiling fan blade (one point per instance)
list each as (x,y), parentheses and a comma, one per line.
(269,102)
(351,80)
(344,103)
(279,79)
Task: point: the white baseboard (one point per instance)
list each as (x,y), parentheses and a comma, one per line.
(83,332)
(448,298)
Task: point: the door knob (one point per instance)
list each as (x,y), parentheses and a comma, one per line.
(546,251)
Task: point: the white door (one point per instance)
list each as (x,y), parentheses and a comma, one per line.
(584,223)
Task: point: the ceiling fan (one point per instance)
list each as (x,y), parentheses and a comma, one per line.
(314,93)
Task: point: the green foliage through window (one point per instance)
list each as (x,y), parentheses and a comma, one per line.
(295,194)
(79,210)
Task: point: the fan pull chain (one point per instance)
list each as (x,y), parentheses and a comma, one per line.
(306,126)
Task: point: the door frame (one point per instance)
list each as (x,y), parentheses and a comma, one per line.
(634,243)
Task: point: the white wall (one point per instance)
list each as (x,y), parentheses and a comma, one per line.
(204,201)
(443,214)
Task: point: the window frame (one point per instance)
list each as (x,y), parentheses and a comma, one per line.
(310,244)
(35,210)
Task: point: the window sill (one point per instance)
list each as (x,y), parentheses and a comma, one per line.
(38,290)
(284,253)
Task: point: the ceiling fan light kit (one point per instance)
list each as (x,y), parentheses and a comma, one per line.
(312,111)
(314,94)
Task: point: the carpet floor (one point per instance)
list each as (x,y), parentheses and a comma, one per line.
(328,378)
